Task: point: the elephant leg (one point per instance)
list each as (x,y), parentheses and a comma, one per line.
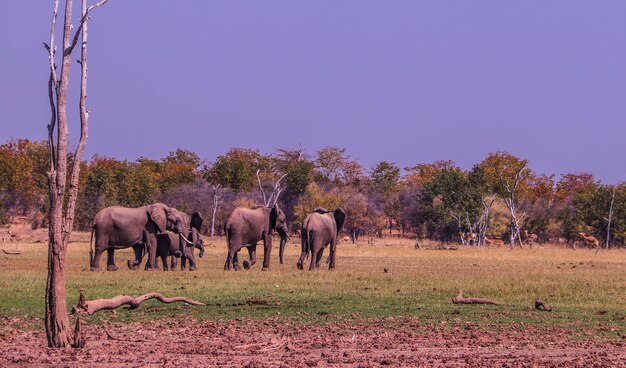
(229,259)
(305,251)
(134,264)
(95,262)
(314,253)
(267,251)
(174,263)
(333,254)
(233,246)
(252,253)
(318,259)
(111,260)
(152,248)
(164,261)
(192,260)
(183,262)
(236,261)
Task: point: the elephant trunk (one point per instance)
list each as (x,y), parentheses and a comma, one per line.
(281,249)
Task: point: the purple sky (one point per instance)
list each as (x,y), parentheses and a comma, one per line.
(402,81)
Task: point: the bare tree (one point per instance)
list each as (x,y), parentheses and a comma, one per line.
(511,189)
(608,226)
(217,196)
(276,189)
(481,225)
(58,331)
(483,221)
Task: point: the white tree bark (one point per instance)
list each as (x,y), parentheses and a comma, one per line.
(58,330)
(216,200)
(608,227)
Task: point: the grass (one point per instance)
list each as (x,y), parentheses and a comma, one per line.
(585,289)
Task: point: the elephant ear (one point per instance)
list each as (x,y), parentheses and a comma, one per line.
(274,216)
(321,210)
(157,214)
(196,221)
(340,218)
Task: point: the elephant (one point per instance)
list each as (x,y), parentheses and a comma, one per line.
(120,227)
(247,226)
(319,229)
(170,244)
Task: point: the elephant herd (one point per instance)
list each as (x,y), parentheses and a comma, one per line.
(162,231)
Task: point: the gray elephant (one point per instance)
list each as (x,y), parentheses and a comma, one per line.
(120,227)
(319,229)
(170,244)
(177,246)
(247,226)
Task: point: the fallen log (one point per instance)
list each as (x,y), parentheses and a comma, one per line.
(16,252)
(541,305)
(460,299)
(90,307)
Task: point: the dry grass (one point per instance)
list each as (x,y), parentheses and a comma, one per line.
(582,286)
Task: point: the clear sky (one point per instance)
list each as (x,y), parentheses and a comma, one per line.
(402,81)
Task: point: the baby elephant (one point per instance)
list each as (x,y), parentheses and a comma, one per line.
(168,244)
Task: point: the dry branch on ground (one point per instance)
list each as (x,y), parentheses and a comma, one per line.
(460,299)
(90,307)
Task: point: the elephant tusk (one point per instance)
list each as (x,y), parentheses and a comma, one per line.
(187,240)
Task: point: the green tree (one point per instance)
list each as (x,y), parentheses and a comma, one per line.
(459,200)
(330,162)
(297,168)
(385,187)
(571,187)
(237,169)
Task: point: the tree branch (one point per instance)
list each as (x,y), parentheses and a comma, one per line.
(261,187)
(83,20)
(68,223)
(53,119)
(90,307)
(460,299)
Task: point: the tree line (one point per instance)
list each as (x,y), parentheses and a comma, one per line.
(500,197)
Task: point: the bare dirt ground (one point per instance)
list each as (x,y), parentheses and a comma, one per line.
(271,342)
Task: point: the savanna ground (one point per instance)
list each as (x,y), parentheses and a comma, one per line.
(358,315)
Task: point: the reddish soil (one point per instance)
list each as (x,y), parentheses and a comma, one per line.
(273,343)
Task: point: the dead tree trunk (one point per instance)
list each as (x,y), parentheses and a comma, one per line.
(608,226)
(483,221)
(58,329)
(511,203)
(216,199)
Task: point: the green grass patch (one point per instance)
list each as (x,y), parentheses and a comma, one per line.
(585,289)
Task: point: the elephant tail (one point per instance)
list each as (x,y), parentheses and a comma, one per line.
(308,240)
(93,228)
